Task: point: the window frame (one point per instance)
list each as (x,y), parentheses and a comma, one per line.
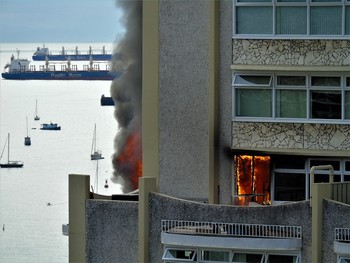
(343,89)
(308,4)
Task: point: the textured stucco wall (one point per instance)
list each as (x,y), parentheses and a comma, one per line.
(291,52)
(111,234)
(183,98)
(335,214)
(163,208)
(297,136)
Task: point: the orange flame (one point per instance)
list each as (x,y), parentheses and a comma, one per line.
(252,179)
(129,159)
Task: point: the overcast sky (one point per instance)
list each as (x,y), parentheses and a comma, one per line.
(45,21)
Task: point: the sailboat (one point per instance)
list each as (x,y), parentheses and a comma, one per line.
(27,140)
(36,118)
(95,154)
(9,164)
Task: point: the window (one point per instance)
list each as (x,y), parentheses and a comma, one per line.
(179,255)
(289,98)
(247,257)
(285,18)
(344,260)
(282,259)
(215,256)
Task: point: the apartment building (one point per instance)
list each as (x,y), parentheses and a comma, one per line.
(245,139)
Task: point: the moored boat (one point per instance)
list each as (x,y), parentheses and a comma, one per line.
(9,164)
(20,69)
(106,101)
(50,126)
(41,53)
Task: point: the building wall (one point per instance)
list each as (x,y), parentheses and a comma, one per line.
(183,98)
(335,214)
(296,136)
(225,104)
(166,208)
(111,234)
(291,52)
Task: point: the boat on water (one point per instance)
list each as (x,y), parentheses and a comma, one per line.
(27,140)
(20,69)
(95,154)
(106,101)
(9,164)
(42,52)
(50,126)
(36,117)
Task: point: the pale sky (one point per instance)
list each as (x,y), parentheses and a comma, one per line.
(45,21)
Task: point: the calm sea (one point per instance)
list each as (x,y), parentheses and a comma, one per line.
(31,230)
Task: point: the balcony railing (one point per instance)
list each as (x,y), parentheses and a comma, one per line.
(231,229)
(342,234)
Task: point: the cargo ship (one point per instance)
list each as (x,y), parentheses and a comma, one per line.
(20,69)
(43,53)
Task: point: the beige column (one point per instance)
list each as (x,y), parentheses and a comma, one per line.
(78,193)
(150,146)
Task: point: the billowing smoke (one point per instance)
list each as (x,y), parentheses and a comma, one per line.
(126,92)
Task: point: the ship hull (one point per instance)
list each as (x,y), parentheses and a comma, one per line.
(72,57)
(60,75)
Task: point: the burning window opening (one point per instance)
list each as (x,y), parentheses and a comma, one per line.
(252,179)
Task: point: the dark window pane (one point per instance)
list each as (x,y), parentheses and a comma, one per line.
(252,80)
(291,80)
(289,187)
(335,164)
(326,104)
(281,259)
(325,81)
(347,166)
(289,162)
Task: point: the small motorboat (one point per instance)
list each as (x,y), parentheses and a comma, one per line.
(50,126)
(106,184)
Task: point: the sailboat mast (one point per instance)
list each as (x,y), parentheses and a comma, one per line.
(8,148)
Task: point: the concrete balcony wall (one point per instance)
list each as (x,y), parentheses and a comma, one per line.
(335,214)
(167,208)
(112,231)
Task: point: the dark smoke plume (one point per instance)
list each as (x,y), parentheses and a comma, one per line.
(126,92)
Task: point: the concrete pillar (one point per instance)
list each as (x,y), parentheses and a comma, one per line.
(77,194)
(319,192)
(214,44)
(150,133)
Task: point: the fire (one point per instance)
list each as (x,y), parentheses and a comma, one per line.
(252,176)
(129,159)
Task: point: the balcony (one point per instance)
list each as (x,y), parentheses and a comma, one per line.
(231,235)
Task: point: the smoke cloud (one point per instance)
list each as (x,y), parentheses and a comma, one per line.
(126,92)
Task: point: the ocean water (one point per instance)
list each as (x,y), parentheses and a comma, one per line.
(31,230)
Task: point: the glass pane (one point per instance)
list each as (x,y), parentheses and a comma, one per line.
(293,1)
(326,20)
(291,20)
(346,177)
(335,164)
(345,260)
(348,82)
(291,103)
(222,256)
(289,162)
(291,81)
(324,1)
(254,20)
(347,20)
(282,259)
(325,81)
(252,80)
(243,257)
(347,105)
(179,254)
(326,104)
(253,102)
(347,166)
(289,187)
